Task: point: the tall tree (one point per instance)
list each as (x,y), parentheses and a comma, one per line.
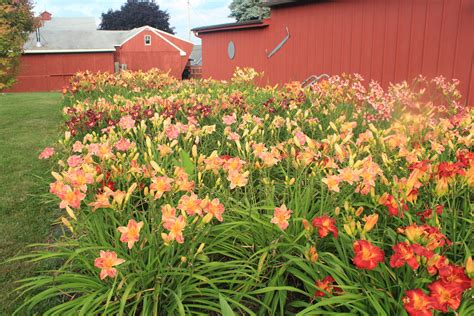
(244,10)
(16,23)
(136,13)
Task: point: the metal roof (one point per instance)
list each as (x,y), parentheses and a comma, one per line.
(196,56)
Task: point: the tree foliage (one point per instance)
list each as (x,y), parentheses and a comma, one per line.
(16,22)
(244,10)
(136,13)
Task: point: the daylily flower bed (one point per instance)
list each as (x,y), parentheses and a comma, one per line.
(207,197)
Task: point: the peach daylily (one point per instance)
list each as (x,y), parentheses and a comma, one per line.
(233,164)
(71,197)
(348,175)
(131,232)
(123,144)
(281,216)
(213,162)
(161,185)
(102,201)
(300,138)
(74,161)
(176,228)
(77,147)
(168,214)
(165,150)
(104,152)
(46,153)
(172,132)
(229,119)
(190,204)
(213,208)
(57,187)
(238,179)
(106,262)
(126,122)
(332,182)
(78,178)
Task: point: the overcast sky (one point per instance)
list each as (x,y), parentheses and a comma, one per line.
(203,12)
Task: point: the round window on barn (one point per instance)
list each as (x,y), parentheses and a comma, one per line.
(231,50)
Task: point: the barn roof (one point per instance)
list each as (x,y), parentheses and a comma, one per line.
(230,26)
(273,3)
(65,35)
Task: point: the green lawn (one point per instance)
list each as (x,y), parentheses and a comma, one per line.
(28,123)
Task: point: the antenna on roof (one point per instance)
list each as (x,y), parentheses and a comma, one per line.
(38,37)
(189,19)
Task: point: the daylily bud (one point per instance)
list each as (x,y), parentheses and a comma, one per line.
(307,226)
(70,212)
(148,142)
(67,223)
(201,247)
(349,230)
(57,176)
(312,254)
(470,267)
(370,222)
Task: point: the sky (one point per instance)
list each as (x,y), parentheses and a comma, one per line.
(203,12)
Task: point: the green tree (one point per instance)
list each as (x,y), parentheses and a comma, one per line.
(16,23)
(136,13)
(244,10)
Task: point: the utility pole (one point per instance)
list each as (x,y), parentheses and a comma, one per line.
(189,19)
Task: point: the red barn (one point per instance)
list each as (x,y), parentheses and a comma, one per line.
(63,46)
(384,40)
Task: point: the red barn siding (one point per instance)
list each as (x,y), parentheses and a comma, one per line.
(160,54)
(384,40)
(49,72)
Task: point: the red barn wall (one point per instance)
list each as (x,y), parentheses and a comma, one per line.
(384,40)
(186,46)
(50,72)
(160,54)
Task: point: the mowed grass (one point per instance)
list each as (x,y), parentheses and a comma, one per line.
(28,123)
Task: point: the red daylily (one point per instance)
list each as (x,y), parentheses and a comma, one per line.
(403,253)
(393,208)
(367,256)
(325,225)
(417,303)
(327,286)
(444,295)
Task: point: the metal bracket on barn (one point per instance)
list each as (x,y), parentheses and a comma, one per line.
(276,49)
(313,79)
